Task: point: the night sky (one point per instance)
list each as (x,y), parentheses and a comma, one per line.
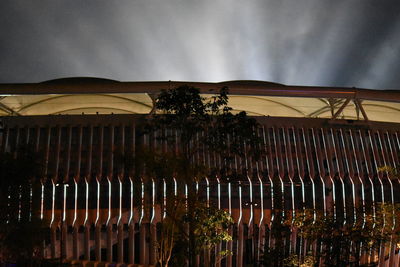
(299,42)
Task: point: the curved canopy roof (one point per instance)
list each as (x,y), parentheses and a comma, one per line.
(83,95)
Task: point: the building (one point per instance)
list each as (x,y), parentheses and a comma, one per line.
(324,145)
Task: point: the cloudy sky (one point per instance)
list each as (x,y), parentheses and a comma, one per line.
(299,42)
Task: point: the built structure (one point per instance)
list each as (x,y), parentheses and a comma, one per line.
(324,145)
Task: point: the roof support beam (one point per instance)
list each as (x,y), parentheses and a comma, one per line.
(153,100)
(330,105)
(358,104)
(340,109)
(8,109)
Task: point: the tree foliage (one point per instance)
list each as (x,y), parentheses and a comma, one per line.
(341,243)
(192,125)
(210,227)
(204,124)
(21,231)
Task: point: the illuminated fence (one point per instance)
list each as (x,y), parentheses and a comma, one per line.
(101,211)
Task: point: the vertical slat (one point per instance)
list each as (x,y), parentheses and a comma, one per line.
(120,225)
(75,237)
(6,139)
(310,168)
(320,168)
(261,223)
(369,170)
(16,148)
(280,173)
(330,171)
(109,178)
(350,174)
(357,148)
(288,162)
(248,212)
(290,170)
(68,158)
(152,226)
(143,227)
(386,161)
(300,167)
(87,179)
(131,222)
(240,237)
(65,181)
(379,178)
(97,223)
(388,246)
(339,167)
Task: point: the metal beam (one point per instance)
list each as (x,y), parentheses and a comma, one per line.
(358,104)
(8,109)
(341,109)
(258,88)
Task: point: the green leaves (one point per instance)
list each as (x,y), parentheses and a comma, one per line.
(191,126)
(191,123)
(342,241)
(211,227)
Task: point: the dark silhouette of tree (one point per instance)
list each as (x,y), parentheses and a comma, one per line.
(191,125)
(21,231)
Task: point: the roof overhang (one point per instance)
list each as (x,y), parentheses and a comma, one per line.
(258,98)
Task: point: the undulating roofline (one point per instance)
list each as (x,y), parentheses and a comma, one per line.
(87,85)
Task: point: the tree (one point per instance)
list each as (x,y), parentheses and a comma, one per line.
(21,230)
(343,244)
(192,125)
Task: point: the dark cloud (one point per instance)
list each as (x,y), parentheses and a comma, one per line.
(330,43)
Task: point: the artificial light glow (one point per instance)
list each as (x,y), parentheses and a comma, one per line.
(359,178)
(387,177)
(230,199)
(269,178)
(109,201)
(120,202)
(75,202)
(64,202)
(53,197)
(380,181)
(131,202)
(86,202)
(19,202)
(391,185)
(153,200)
(175,188)
(290,178)
(340,177)
(30,202)
(251,200)
(261,200)
(319,173)
(142,203)
(208,191)
(186,197)
(8,205)
(350,178)
(279,176)
(219,193)
(311,178)
(165,199)
(369,178)
(98,202)
(240,204)
(41,200)
(330,176)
